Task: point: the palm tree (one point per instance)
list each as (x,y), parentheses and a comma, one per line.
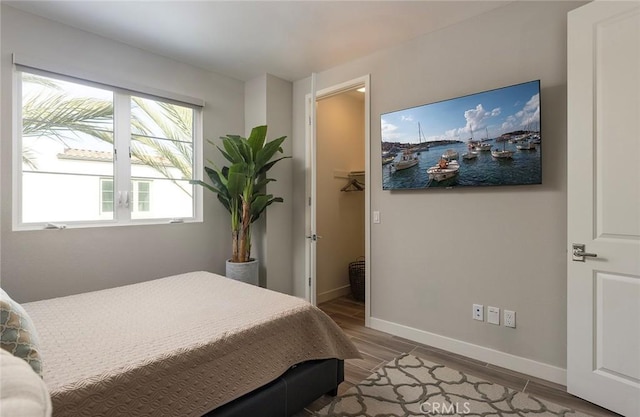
(56,115)
(174,122)
(51,112)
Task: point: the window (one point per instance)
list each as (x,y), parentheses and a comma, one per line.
(140,194)
(106,195)
(140,150)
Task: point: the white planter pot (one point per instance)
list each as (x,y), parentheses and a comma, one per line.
(243,271)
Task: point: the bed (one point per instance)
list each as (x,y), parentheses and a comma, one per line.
(188,345)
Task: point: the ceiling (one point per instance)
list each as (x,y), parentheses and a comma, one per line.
(245,39)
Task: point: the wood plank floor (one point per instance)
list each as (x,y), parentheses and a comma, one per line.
(378,348)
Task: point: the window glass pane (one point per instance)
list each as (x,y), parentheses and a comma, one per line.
(166,199)
(161,158)
(67,148)
(61,198)
(161,120)
(162,150)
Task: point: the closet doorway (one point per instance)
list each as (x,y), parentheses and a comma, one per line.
(338,192)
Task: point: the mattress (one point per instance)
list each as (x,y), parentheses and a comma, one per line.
(176,346)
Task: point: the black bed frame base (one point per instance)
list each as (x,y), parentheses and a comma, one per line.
(295,389)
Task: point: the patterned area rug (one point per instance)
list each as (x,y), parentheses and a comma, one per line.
(410,386)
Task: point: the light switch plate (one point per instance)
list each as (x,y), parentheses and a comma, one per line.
(493,315)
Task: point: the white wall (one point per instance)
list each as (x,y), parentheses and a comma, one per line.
(255,114)
(48,263)
(436,252)
(340,215)
(268,101)
(279,229)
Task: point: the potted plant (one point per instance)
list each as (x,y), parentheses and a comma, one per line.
(240,188)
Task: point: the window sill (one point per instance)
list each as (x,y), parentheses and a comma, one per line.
(57,226)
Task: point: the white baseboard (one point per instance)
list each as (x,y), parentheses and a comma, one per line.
(323,297)
(481,353)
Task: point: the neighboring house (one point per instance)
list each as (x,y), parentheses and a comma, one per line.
(83,178)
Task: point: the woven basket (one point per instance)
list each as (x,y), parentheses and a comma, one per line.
(356,278)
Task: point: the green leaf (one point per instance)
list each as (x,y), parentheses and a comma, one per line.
(257,138)
(243,148)
(260,204)
(266,153)
(236,180)
(226,155)
(233,153)
(260,184)
(225,202)
(219,179)
(270,164)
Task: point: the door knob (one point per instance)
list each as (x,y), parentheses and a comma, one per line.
(579,254)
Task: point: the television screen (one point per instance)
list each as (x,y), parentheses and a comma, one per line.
(483,139)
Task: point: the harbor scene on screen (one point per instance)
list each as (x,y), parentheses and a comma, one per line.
(483,139)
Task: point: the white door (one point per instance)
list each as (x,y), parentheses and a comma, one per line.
(311,183)
(603,306)
(310,212)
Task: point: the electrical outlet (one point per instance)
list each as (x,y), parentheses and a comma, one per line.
(478,312)
(510,318)
(493,315)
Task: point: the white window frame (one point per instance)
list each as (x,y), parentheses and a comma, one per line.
(122,140)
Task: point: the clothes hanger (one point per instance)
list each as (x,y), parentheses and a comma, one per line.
(353,185)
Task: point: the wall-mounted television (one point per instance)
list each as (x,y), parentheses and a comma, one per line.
(483,139)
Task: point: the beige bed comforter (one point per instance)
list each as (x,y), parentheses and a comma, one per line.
(177,346)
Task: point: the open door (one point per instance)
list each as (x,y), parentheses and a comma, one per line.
(603,305)
(310,213)
(312,234)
